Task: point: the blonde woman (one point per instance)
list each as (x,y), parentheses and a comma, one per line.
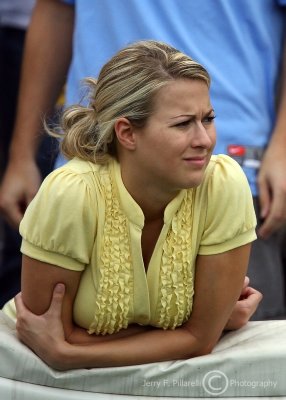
(136,251)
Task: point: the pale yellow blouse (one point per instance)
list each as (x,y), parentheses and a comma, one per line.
(84,219)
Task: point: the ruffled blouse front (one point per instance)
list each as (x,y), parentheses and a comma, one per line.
(172,270)
(84,219)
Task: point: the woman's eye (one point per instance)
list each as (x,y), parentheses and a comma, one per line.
(209,119)
(183,123)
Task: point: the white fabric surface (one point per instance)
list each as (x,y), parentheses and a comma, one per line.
(250,362)
(13,390)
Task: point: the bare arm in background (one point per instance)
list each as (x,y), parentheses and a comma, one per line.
(47,56)
(272,177)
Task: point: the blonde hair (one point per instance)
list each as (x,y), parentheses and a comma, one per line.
(125,87)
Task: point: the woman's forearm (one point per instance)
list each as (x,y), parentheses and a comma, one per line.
(82,337)
(152,346)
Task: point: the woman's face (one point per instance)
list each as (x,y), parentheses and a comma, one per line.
(175,145)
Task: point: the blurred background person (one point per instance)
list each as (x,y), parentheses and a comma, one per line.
(240,43)
(14,20)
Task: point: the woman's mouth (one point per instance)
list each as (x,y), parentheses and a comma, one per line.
(195,161)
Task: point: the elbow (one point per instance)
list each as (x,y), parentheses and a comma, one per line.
(203,350)
(201,345)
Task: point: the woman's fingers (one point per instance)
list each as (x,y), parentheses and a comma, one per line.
(55,308)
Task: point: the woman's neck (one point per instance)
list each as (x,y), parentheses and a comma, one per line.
(151,199)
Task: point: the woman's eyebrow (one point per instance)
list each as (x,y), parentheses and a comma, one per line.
(193,115)
(183,115)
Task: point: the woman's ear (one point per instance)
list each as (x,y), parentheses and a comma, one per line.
(125,133)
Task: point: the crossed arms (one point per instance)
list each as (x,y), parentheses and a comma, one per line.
(45,321)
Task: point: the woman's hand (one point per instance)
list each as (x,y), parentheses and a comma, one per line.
(245,307)
(44,334)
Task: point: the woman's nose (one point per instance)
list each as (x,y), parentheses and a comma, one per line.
(202,136)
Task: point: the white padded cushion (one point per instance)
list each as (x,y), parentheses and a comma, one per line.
(250,362)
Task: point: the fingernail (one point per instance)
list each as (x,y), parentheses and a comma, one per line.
(60,287)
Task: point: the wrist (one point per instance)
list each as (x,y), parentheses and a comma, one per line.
(19,153)
(24,147)
(61,357)
(278,139)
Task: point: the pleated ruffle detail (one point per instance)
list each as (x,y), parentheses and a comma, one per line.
(177,280)
(115,288)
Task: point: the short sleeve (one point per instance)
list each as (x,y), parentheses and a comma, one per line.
(60,223)
(230,217)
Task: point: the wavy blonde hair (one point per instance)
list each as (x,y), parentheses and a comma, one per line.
(125,87)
